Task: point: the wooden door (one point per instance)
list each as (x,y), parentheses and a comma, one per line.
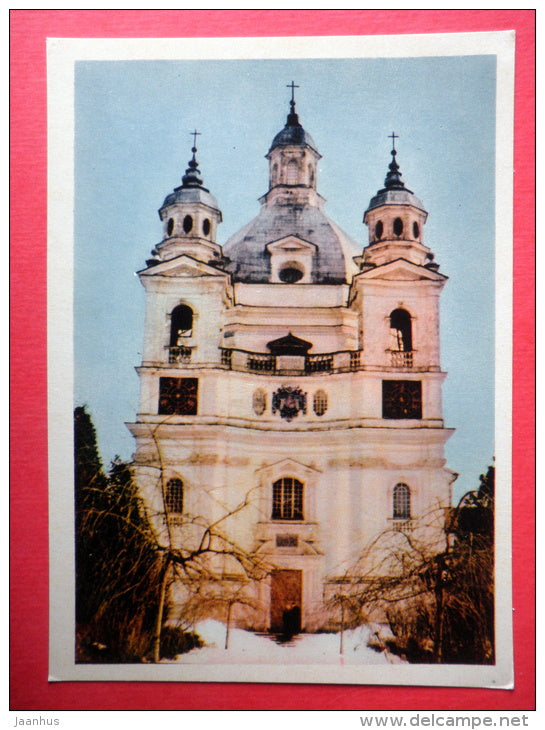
(286,601)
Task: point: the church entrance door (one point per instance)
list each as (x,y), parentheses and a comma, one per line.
(286,601)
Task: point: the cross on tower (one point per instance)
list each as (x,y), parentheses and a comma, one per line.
(194,135)
(393,136)
(292,86)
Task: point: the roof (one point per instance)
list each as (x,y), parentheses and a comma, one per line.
(293,134)
(332,260)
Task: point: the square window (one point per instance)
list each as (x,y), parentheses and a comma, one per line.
(401,399)
(178,396)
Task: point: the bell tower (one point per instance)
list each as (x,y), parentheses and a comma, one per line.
(190,216)
(395,219)
(397,294)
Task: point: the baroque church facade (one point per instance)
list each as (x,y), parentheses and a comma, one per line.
(290,390)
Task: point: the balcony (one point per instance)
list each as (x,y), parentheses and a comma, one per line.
(257,362)
(402,358)
(179,355)
(405,526)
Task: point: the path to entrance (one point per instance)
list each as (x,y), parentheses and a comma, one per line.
(249,648)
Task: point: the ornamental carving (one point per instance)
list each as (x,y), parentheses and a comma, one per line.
(289,402)
(259,402)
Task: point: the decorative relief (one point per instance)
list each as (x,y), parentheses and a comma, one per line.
(289,402)
(259,402)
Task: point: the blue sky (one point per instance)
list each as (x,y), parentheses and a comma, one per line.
(133,120)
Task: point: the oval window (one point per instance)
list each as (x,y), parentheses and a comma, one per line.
(398,226)
(259,402)
(290,275)
(416,229)
(206,226)
(320,402)
(188,223)
(170,226)
(379,228)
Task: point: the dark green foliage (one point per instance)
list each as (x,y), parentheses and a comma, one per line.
(174,641)
(469,610)
(118,569)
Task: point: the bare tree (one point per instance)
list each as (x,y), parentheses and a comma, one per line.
(129,557)
(431,583)
(202,556)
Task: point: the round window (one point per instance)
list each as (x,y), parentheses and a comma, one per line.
(398,226)
(206,226)
(379,228)
(290,275)
(188,223)
(416,230)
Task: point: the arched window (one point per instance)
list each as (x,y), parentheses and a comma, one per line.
(287,499)
(174,496)
(170,226)
(181,324)
(416,229)
(311,175)
(291,173)
(206,226)
(401,329)
(402,502)
(398,226)
(274,174)
(379,228)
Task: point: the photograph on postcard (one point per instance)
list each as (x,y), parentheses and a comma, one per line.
(290,344)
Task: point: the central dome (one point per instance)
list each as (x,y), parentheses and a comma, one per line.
(332,260)
(319,252)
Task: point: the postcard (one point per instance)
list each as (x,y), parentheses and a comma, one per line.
(279,312)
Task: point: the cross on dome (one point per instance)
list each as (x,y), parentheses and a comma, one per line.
(194,135)
(393,137)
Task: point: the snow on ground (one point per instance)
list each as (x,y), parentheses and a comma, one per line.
(246,647)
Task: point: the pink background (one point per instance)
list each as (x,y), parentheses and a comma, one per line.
(30,689)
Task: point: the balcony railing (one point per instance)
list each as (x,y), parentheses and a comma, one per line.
(258,362)
(402,358)
(179,355)
(405,526)
(319,363)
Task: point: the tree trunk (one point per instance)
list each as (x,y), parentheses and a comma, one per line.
(342,627)
(438,628)
(160,611)
(228,627)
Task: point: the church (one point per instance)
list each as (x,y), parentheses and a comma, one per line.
(290,388)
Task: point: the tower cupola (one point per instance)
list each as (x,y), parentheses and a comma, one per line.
(190,216)
(293,160)
(395,219)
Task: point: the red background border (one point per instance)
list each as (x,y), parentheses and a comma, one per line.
(30,689)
